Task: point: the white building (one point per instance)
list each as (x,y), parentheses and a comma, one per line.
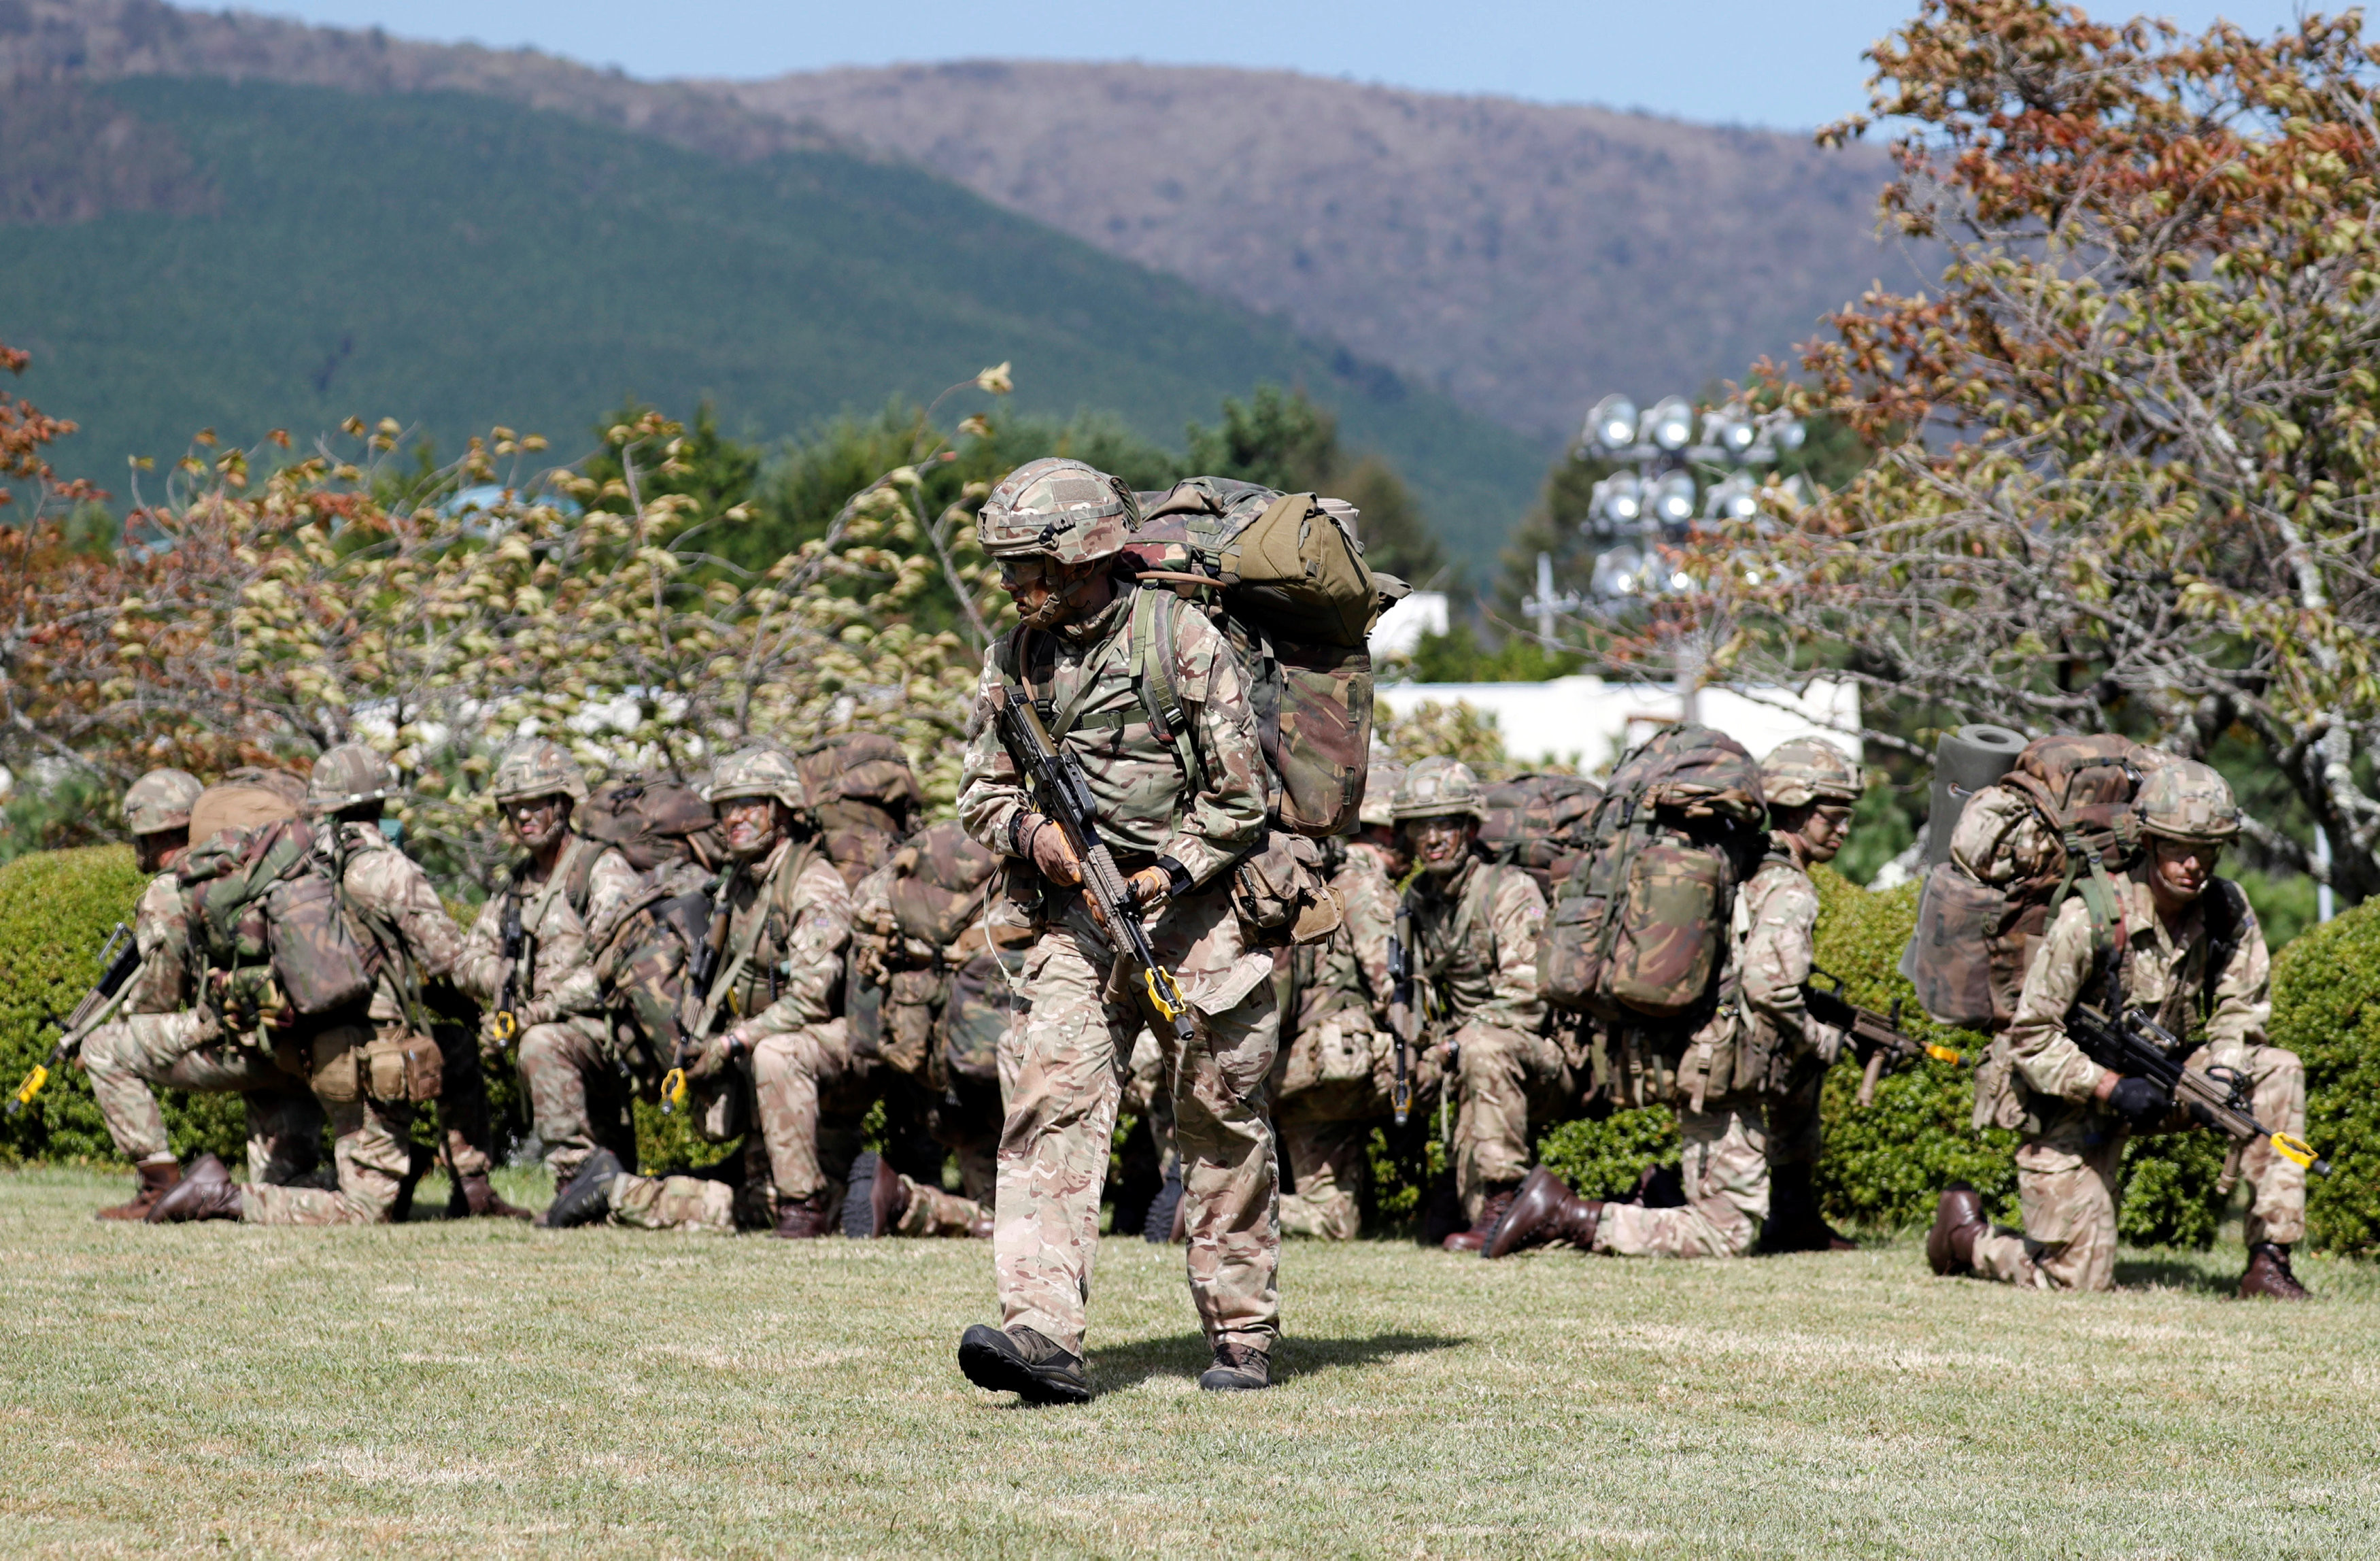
(1588,721)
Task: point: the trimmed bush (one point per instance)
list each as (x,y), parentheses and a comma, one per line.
(2326,1010)
(1603,1158)
(56,910)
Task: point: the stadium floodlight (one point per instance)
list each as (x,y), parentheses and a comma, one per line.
(1619,502)
(1734,500)
(1732,430)
(1617,573)
(1674,499)
(1788,435)
(1612,424)
(1670,423)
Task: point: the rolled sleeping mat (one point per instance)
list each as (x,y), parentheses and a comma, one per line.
(1965,761)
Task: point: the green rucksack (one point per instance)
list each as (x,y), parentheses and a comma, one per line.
(1283,577)
(270,892)
(1639,933)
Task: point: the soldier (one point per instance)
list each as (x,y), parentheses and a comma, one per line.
(530,959)
(1475,926)
(1333,1081)
(1054,528)
(1753,1072)
(779,921)
(2189,947)
(161,1040)
(400,915)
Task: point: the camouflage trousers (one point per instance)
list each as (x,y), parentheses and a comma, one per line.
(1328,1157)
(1724,1167)
(126,1058)
(1065,1078)
(812,1091)
(2070,1181)
(1793,1138)
(577,1100)
(1505,1079)
(689,1203)
(373,1150)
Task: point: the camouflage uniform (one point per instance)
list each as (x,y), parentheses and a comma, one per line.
(564,1057)
(1474,954)
(1066,1062)
(1332,1081)
(372,1137)
(2039,1081)
(162,1039)
(803,1073)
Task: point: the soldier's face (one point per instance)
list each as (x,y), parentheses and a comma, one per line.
(748,825)
(1440,844)
(537,821)
(1823,835)
(2181,870)
(1048,593)
(161,851)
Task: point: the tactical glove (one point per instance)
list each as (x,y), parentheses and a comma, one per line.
(2140,1103)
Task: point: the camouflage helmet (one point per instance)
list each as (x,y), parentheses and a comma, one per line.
(755,771)
(537,767)
(2186,801)
(1809,769)
(1063,509)
(348,776)
(1436,788)
(160,800)
(1380,783)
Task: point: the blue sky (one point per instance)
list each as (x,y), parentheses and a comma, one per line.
(1779,63)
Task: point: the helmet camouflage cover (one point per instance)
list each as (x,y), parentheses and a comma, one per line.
(348,776)
(537,767)
(1437,787)
(757,771)
(1380,783)
(160,800)
(2186,800)
(1063,509)
(1809,769)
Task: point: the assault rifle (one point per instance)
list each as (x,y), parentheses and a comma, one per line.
(2137,1045)
(119,959)
(506,1019)
(1878,1038)
(1401,1012)
(701,969)
(1066,799)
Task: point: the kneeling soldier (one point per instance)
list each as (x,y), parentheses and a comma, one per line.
(2187,947)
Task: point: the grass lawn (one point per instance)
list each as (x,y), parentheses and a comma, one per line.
(480,1387)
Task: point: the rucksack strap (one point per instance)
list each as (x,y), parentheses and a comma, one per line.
(1151,647)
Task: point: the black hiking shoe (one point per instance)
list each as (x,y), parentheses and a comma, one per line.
(1238,1369)
(587,1198)
(1020,1361)
(1164,1209)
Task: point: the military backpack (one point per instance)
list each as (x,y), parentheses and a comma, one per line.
(1639,933)
(1540,823)
(863,795)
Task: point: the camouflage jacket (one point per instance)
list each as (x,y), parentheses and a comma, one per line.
(393,893)
(792,911)
(160,928)
(1772,942)
(1476,946)
(1145,807)
(1349,968)
(558,941)
(2164,974)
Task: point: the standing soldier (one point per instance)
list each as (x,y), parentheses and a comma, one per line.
(1054,526)
(1334,1080)
(530,959)
(1750,1079)
(1475,926)
(2187,948)
(162,1039)
(389,906)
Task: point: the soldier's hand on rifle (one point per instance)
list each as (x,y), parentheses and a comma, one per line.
(2137,1100)
(1151,885)
(1050,852)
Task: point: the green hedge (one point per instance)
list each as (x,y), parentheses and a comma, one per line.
(2326,1010)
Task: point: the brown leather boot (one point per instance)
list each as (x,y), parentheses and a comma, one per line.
(1491,1209)
(803,1219)
(157,1179)
(1542,1213)
(1958,1220)
(2269,1274)
(476,1197)
(876,1200)
(207,1193)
